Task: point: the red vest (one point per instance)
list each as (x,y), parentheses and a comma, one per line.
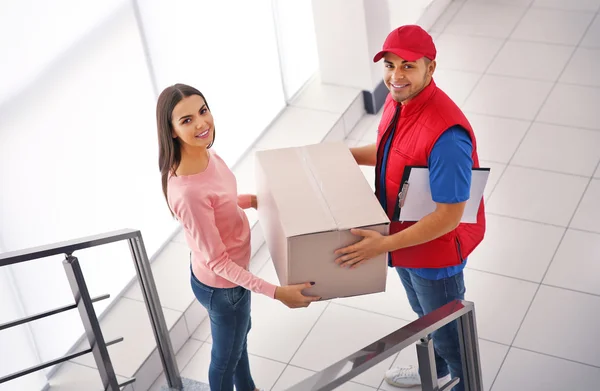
(419,123)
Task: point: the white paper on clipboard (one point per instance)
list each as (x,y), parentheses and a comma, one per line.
(415,200)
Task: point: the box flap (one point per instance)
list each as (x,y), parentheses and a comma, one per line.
(319,188)
(343,186)
(302,209)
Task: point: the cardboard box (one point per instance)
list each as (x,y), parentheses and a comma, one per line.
(308,200)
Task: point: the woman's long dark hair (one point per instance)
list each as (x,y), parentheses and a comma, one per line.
(169,148)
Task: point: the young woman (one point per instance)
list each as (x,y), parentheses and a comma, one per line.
(201,192)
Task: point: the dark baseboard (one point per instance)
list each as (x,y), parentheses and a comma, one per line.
(374,100)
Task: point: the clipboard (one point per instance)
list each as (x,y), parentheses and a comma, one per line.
(415,201)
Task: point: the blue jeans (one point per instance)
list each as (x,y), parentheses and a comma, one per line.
(425,296)
(229,313)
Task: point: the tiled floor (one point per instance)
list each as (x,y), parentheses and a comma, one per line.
(525,72)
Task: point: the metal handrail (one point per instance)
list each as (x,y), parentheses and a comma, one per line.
(84,304)
(463,312)
(46,314)
(50,363)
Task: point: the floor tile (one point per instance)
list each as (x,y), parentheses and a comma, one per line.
(128,319)
(560,149)
(494,295)
(342,331)
(183,357)
(525,370)
(351,143)
(294,375)
(582,68)
(464,53)
(260,259)
(35,381)
(515,53)
(180,237)
(457,84)
(560,323)
(572,105)
(497,138)
(443,21)
(291,376)
(592,37)
(392,302)
(577,5)
(268,315)
(496,171)
(522,3)
(369,138)
(536,195)
(296,127)
(587,216)
(194,316)
(264,372)
(491,356)
(252,216)
(203,331)
(337,133)
(244,173)
(75,377)
(496,95)
(553,26)
(152,367)
(579,251)
(326,97)
(597,174)
(172,275)
(516,248)
(353,114)
(486,19)
(366,125)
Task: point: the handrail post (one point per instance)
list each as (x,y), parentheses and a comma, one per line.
(157,319)
(427,367)
(90,322)
(469,345)
(417,331)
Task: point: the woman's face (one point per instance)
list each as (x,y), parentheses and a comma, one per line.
(193,123)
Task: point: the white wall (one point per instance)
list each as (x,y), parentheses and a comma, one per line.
(378,21)
(78,144)
(78,156)
(227,50)
(297,43)
(16,348)
(34,33)
(349,32)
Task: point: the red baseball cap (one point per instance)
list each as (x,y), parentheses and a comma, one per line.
(409,42)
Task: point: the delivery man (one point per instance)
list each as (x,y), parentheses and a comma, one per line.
(422,126)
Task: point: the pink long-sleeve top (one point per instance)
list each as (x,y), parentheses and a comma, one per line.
(216,227)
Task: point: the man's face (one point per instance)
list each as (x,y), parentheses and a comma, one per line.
(405,79)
